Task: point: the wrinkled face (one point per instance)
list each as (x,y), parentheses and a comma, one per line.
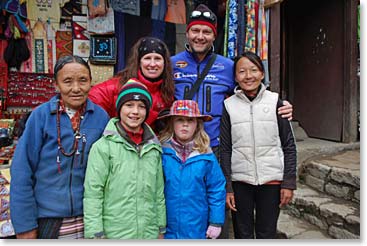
(132,115)
(152,65)
(248,76)
(200,38)
(74,82)
(184,128)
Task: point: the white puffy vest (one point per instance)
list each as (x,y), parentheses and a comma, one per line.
(257,155)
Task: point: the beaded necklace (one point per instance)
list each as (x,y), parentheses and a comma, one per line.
(77,136)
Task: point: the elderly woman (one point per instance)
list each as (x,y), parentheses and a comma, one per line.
(49,163)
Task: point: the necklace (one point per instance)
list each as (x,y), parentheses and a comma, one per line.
(77,136)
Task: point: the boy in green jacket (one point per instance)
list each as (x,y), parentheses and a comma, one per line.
(124,187)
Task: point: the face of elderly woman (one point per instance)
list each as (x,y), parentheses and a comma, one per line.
(74,82)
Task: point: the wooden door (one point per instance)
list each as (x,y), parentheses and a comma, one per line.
(315,72)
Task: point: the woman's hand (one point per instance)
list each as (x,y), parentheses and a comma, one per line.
(286,196)
(28,235)
(230,201)
(286,111)
(161,236)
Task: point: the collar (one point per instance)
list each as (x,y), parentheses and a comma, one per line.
(152,86)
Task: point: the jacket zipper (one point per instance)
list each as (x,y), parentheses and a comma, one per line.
(84,142)
(253,144)
(70,190)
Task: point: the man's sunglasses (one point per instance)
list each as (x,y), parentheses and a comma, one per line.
(207,15)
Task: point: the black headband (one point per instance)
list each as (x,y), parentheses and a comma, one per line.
(151,45)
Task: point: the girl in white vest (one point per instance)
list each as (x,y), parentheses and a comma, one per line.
(258,153)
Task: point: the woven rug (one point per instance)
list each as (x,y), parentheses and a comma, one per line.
(64,43)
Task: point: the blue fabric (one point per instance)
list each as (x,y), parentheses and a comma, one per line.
(195,194)
(159,10)
(37,189)
(215,87)
(119,19)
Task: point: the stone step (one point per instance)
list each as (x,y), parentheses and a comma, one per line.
(336,175)
(340,218)
(291,227)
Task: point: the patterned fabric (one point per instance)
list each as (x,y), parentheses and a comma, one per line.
(225,48)
(151,45)
(262,42)
(101,73)
(183,150)
(187,108)
(39,51)
(241,26)
(64,43)
(251,26)
(37,10)
(74,116)
(81,43)
(232,29)
(126,6)
(72,228)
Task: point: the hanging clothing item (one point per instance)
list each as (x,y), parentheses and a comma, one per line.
(251,26)
(126,6)
(232,29)
(119,20)
(159,8)
(225,48)
(37,10)
(51,46)
(262,39)
(39,51)
(241,26)
(176,12)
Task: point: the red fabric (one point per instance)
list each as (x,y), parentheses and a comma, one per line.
(105,95)
(135,137)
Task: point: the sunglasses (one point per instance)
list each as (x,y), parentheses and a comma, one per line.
(196,14)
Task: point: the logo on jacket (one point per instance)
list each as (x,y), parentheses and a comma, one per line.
(181,64)
(218,66)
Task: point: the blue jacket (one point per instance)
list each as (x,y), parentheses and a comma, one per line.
(195,194)
(218,83)
(37,189)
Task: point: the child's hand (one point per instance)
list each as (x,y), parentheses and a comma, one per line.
(213,232)
(286,196)
(230,201)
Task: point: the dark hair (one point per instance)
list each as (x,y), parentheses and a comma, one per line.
(255,59)
(133,66)
(62,61)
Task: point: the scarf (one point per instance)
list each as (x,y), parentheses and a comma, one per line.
(183,150)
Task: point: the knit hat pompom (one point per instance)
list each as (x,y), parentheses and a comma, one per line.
(151,45)
(202,15)
(136,91)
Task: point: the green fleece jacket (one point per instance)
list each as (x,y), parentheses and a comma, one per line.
(124,186)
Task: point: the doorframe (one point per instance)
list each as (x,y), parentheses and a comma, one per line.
(278,69)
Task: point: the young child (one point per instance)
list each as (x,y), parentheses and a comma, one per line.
(194,182)
(124,186)
(258,153)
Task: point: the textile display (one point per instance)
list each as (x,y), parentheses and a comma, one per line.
(159,9)
(27,65)
(101,73)
(103,49)
(64,43)
(126,6)
(6,228)
(81,46)
(68,9)
(39,48)
(102,24)
(44,10)
(176,12)
(232,29)
(96,8)
(250,43)
(51,46)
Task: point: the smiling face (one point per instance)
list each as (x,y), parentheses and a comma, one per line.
(200,38)
(152,65)
(132,115)
(184,128)
(248,76)
(74,82)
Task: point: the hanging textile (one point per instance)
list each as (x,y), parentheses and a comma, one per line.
(27,65)
(159,9)
(39,51)
(126,6)
(100,73)
(232,29)
(64,43)
(51,46)
(241,36)
(102,24)
(262,39)
(44,10)
(225,48)
(81,46)
(119,20)
(250,43)
(67,11)
(176,12)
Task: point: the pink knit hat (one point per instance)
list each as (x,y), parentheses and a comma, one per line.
(187,108)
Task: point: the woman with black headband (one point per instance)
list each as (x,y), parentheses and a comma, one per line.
(149,62)
(49,163)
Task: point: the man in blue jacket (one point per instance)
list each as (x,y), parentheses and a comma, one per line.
(219,82)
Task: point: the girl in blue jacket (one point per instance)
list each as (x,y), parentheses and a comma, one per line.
(194,183)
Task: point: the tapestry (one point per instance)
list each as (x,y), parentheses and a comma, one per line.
(64,43)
